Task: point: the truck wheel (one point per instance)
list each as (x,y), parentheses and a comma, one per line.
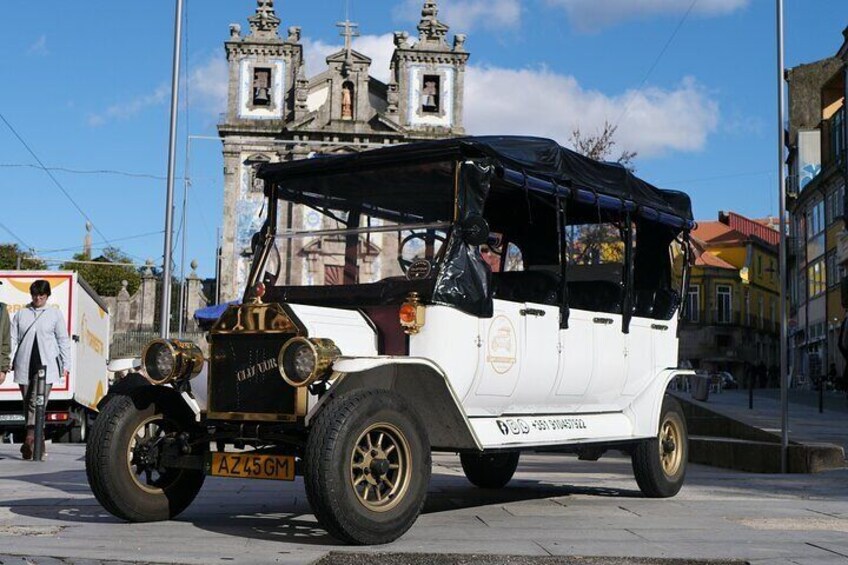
(122,461)
(78,431)
(367,467)
(659,463)
(489,470)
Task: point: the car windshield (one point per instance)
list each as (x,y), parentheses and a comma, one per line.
(360,227)
(326,252)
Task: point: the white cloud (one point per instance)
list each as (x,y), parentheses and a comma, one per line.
(131,108)
(39,47)
(208,86)
(594,15)
(542,103)
(465,15)
(378,47)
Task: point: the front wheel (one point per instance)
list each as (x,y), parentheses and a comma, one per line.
(659,463)
(123,461)
(367,467)
(489,470)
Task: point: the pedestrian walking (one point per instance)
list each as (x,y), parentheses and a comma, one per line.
(40,338)
(5,342)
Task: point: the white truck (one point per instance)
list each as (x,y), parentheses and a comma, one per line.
(74,400)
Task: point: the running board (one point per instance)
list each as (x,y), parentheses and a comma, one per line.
(557,429)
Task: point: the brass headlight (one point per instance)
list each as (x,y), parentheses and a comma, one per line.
(302,361)
(166,360)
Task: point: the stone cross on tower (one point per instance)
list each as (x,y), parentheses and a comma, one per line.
(264,23)
(349,31)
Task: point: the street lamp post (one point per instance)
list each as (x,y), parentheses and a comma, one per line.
(784,385)
(165,311)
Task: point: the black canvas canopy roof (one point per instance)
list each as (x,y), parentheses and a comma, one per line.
(529,163)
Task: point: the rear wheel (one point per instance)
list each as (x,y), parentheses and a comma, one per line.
(124,464)
(367,467)
(659,463)
(489,470)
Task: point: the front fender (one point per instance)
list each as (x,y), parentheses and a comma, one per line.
(143,393)
(423,385)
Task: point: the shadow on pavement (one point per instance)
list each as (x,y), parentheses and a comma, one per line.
(240,513)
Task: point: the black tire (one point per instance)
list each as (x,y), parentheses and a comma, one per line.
(489,470)
(78,433)
(341,475)
(122,483)
(659,463)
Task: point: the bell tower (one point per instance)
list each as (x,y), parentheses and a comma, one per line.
(428,78)
(263,71)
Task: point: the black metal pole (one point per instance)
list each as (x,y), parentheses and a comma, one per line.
(40,409)
(750,390)
(821,395)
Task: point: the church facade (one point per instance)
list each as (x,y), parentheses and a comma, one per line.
(276,112)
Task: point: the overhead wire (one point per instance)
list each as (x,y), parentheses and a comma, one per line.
(53,178)
(657,60)
(14,235)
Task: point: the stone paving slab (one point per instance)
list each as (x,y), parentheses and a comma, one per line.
(556,506)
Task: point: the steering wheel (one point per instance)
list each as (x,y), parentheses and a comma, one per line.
(406,263)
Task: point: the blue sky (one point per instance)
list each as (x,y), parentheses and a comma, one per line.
(691,86)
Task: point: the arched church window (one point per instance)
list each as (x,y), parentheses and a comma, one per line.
(347,101)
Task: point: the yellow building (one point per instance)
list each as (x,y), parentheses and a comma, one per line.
(732,309)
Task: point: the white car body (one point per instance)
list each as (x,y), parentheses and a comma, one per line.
(519,380)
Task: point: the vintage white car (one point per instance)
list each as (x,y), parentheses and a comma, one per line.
(484,296)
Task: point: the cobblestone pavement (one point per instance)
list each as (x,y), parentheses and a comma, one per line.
(556,507)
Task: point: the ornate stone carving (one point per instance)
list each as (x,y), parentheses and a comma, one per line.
(235,31)
(294,35)
(431,31)
(402,40)
(264,23)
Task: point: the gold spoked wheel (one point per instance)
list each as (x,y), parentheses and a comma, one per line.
(380,467)
(670,453)
(144,451)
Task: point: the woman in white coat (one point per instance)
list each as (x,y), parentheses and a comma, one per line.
(39,338)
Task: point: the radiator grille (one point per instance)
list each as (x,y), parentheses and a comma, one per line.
(244,381)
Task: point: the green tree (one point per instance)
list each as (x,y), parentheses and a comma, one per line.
(106,272)
(9,254)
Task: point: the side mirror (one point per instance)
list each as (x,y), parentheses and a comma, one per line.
(475,230)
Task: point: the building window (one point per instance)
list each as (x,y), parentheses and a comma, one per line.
(832,273)
(761,311)
(431,94)
(724,294)
(815,219)
(837,134)
(262,87)
(693,303)
(816,279)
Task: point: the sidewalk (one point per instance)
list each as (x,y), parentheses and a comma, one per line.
(806,424)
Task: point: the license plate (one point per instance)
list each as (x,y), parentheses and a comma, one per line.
(11,418)
(248,466)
